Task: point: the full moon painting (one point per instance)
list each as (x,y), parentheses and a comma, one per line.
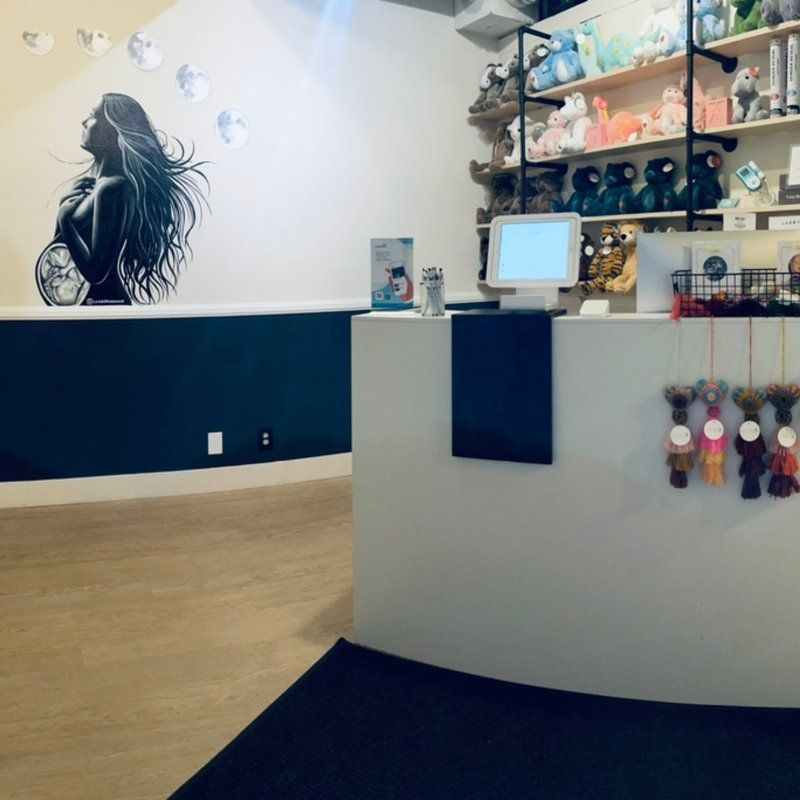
(40,43)
(193,83)
(93,43)
(233,128)
(145,52)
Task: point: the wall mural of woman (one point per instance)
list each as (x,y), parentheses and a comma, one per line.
(122,231)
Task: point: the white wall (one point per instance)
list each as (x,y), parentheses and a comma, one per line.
(357,109)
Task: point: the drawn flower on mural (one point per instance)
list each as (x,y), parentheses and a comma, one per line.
(122,232)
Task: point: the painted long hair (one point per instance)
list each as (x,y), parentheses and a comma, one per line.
(168,186)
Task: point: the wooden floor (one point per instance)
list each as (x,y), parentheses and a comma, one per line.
(137,638)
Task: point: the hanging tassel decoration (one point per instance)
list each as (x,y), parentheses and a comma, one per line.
(782,460)
(750,444)
(713,444)
(679,443)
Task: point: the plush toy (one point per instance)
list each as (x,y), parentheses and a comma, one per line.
(628,232)
(500,149)
(588,252)
(706,191)
(530,195)
(561,66)
(771,12)
(536,58)
(616,52)
(709,25)
(669,116)
(515,135)
(746,99)
(576,113)
(509,72)
(623,127)
(549,144)
(483,254)
(548,192)
(658,194)
(587,54)
(747,16)
(585,182)
(790,10)
(618,196)
(488,81)
(658,36)
(501,199)
(607,262)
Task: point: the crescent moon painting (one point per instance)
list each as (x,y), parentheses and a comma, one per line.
(145,52)
(193,83)
(93,43)
(40,43)
(233,128)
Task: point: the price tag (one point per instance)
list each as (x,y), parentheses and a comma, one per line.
(713,429)
(787,437)
(680,436)
(749,431)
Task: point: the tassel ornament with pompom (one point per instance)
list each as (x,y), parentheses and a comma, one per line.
(782,461)
(679,443)
(749,443)
(713,443)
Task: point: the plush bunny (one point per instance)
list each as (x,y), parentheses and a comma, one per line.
(550,142)
(626,280)
(576,113)
(670,115)
(746,99)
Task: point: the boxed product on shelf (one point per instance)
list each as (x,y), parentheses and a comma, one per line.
(787,193)
(718,111)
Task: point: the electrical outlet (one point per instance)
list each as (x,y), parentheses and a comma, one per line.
(265,439)
(215,443)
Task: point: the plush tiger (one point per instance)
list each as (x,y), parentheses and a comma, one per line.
(607,263)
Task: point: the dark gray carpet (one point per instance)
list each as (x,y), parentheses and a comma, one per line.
(361,725)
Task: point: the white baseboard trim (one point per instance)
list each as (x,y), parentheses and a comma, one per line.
(162,484)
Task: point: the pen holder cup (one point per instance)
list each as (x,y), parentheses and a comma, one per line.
(433,301)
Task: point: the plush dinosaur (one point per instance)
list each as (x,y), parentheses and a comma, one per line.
(747,17)
(626,280)
(616,52)
(587,54)
(658,193)
(623,127)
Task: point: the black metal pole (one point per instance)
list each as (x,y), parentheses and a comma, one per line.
(523,163)
(689,114)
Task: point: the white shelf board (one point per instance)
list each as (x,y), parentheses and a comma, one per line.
(502,113)
(771,125)
(618,217)
(785,209)
(752,41)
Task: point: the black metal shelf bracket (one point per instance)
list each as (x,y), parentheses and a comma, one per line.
(729,63)
(545,101)
(728,144)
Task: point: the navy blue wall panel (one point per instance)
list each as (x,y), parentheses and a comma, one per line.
(98,397)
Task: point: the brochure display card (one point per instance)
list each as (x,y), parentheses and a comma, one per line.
(392,269)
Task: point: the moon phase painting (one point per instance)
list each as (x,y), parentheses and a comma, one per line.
(233,128)
(39,43)
(93,43)
(193,83)
(145,52)
(123,226)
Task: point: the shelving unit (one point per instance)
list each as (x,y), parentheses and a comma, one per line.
(788,208)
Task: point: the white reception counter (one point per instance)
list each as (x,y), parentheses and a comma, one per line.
(593,574)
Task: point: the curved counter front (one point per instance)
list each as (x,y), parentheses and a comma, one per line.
(593,574)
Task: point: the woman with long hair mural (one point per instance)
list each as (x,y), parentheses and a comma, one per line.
(122,232)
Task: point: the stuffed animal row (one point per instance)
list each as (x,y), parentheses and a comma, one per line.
(614,265)
(543,196)
(658,194)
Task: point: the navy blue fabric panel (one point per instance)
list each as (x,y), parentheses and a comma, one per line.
(104,397)
(502,381)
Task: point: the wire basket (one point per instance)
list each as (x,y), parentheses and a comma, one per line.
(749,293)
